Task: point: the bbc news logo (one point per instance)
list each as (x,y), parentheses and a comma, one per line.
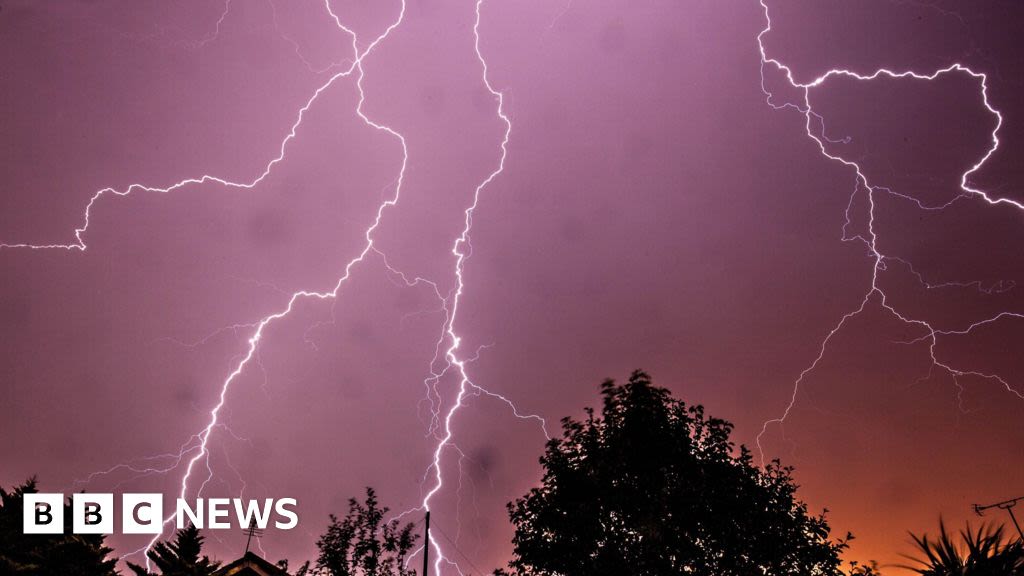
(144,513)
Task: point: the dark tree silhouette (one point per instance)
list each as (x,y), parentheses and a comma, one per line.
(181,557)
(869,569)
(364,544)
(653,487)
(47,554)
(302,570)
(986,551)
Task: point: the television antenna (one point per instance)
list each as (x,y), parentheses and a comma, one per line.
(1007,505)
(252,531)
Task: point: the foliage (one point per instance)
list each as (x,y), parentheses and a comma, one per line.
(655,487)
(180,557)
(303,569)
(986,551)
(363,544)
(47,554)
(869,569)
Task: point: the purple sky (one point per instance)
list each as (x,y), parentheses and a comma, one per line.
(654,211)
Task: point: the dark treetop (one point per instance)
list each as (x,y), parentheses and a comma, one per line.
(655,487)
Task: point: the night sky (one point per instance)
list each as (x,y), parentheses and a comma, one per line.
(655,211)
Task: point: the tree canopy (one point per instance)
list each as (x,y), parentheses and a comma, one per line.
(655,487)
(363,544)
(47,554)
(180,557)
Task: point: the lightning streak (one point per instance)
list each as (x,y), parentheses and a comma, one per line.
(356,66)
(196,449)
(203,437)
(870,240)
(461,249)
(254,340)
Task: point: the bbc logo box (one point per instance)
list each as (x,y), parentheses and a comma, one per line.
(92,514)
(144,513)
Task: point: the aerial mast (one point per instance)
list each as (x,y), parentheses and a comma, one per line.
(1007,505)
(251,531)
(426,542)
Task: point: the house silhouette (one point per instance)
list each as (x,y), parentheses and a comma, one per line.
(250,565)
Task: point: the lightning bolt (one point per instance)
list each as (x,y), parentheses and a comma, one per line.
(357,67)
(459,250)
(930,334)
(195,451)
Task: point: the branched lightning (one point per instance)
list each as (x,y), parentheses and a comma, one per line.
(461,250)
(254,340)
(448,356)
(356,66)
(195,451)
(930,334)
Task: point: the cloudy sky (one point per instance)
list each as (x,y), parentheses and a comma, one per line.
(654,211)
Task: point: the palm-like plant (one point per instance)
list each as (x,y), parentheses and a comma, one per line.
(986,551)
